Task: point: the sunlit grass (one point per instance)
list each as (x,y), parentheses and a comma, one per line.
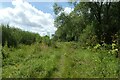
(66,61)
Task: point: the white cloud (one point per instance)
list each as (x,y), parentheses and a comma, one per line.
(25,16)
(68,10)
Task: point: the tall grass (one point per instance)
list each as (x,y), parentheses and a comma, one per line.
(67,61)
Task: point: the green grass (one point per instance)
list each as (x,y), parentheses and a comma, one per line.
(65,61)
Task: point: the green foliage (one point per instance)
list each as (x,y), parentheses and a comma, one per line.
(88,37)
(14,36)
(46,40)
(97,46)
(40,61)
(68,29)
(93,25)
(89,23)
(28,38)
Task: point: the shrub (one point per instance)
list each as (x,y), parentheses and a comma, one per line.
(88,38)
(46,39)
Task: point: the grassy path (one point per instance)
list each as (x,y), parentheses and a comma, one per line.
(66,61)
(61,62)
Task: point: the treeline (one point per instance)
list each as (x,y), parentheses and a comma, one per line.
(12,37)
(90,23)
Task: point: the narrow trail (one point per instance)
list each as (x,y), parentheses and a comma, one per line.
(61,63)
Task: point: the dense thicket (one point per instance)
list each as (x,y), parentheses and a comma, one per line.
(12,37)
(89,23)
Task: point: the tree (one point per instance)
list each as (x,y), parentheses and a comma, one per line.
(102,16)
(14,36)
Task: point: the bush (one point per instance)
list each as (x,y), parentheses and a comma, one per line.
(46,39)
(88,38)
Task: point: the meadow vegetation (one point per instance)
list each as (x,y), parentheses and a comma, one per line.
(65,61)
(85,45)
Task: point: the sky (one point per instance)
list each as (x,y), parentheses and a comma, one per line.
(36,17)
